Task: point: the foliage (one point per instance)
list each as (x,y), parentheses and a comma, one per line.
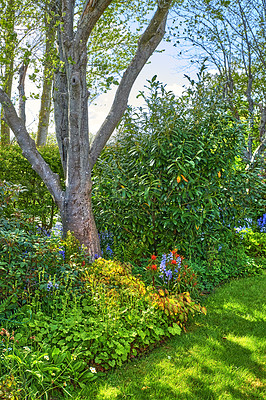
(66,320)
(255,243)
(8,195)
(34,201)
(174,176)
(230,260)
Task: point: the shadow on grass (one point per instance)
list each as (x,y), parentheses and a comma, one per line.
(220,358)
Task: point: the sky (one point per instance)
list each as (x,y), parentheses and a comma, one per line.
(169,69)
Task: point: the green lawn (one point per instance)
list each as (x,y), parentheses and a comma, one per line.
(222,356)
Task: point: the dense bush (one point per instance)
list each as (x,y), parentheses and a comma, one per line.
(174,178)
(34,201)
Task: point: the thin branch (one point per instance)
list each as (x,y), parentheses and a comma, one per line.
(21,89)
(92,11)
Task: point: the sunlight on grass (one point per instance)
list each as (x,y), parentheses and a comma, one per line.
(108,393)
(220,358)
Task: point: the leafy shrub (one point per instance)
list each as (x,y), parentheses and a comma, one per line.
(73,319)
(229,261)
(255,243)
(9,194)
(34,201)
(173,180)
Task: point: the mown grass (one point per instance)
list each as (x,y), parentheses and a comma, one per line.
(222,356)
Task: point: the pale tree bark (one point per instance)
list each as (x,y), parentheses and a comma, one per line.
(45,109)
(9,52)
(71,115)
(5,129)
(21,90)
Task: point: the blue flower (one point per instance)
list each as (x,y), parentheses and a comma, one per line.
(51,286)
(62,253)
(262,223)
(109,250)
(169,274)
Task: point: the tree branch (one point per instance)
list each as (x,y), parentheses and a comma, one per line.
(146,46)
(29,150)
(92,11)
(21,89)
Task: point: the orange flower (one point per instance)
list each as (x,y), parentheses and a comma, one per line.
(153,257)
(154,267)
(173,262)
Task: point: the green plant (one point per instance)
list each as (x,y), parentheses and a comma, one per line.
(170,272)
(34,201)
(255,243)
(33,371)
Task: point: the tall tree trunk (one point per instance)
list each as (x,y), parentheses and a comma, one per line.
(77,216)
(45,109)
(73,132)
(9,55)
(5,130)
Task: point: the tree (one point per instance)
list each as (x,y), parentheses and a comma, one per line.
(45,109)
(71,94)
(8,39)
(17,41)
(231,36)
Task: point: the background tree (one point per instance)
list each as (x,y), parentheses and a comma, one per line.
(231,36)
(8,45)
(71,112)
(48,67)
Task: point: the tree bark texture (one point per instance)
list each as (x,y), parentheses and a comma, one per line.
(71,114)
(45,109)
(9,55)
(5,129)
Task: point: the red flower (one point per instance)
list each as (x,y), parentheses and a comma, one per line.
(153,257)
(154,267)
(194,284)
(173,262)
(83,263)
